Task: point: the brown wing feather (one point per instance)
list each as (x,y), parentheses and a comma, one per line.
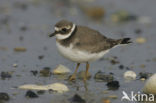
(91,40)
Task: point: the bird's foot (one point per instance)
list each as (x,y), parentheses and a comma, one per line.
(73,77)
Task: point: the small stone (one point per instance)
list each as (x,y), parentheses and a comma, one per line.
(112,96)
(40,57)
(106,101)
(121,66)
(113,85)
(55,87)
(130,75)
(31,94)
(4,96)
(144,75)
(122,16)
(23,28)
(113,60)
(150,85)
(61,69)
(34,72)
(140,40)
(101,76)
(45,72)
(15,65)
(138,31)
(20,49)
(5,75)
(77,99)
(142,79)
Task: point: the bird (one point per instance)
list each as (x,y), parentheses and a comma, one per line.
(82,44)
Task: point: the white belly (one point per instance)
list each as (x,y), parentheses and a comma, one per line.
(77,55)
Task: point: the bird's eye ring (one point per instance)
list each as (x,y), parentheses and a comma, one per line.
(64,29)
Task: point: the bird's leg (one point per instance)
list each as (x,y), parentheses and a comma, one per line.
(86,73)
(73,77)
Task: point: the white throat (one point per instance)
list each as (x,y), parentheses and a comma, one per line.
(61,37)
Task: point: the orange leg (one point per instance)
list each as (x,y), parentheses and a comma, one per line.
(86,73)
(73,77)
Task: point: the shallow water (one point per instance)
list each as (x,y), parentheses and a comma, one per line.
(38,17)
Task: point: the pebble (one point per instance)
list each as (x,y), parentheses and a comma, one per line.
(40,57)
(45,72)
(113,85)
(113,96)
(4,97)
(101,76)
(34,72)
(138,31)
(106,101)
(122,16)
(144,75)
(5,75)
(15,65)
(61,69)
(77,99)
(121,66)
(130,75)
(56,87)
(20,49)
(150,85)
(31,94)
(141,40)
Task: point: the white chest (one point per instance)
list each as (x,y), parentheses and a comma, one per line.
(78,55)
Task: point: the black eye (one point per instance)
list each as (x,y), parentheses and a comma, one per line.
(64,30)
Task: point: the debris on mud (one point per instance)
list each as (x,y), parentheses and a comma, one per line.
(101,76)
(56,87)
(113,85)
(113,60)
(105,100)
(4,97)
(34,72)
(141,40)
(15,65)
(129,75)
(77,99)
(5,75)
(123,16)
(31,94)
(61,69)
(45,72)
(121,66)
(20,49)
(40,57)
(144,75)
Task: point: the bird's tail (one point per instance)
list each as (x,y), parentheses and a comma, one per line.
(124,41)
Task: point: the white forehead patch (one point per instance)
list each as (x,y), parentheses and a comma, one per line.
(56,29)
(61,37)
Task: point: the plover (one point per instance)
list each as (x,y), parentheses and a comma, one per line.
(82,44)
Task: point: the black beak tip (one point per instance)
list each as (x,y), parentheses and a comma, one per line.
(51,35)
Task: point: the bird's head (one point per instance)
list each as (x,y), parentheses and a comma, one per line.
(63,29)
